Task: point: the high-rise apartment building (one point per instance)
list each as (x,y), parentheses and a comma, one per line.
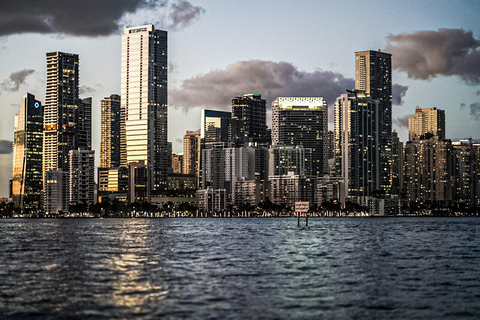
(84,131)
(285,159)
(302,121)
(27,153)
(61,111)
(177,163)
(398,159)
(144,101)
(110,132)
(426,120)
(357,143)
(251,110)
(373,74)
(192,142)
(82,177)
(429,171)
(56,191)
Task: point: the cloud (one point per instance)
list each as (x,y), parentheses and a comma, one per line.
(88,91)
(5,147)
(183,14)
(475,111)
(478,92)
(401,122)
(398,92)
(91,18)
(16,79)
(428,54)
(272,79)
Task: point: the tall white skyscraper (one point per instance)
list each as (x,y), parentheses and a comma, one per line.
(144,102)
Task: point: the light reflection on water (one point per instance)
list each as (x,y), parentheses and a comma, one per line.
(240,268)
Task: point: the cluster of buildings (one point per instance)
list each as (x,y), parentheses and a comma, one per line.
(234,159)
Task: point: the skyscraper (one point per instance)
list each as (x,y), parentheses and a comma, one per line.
(60,111)
(110,132)
(426,120)
(27,153)
(302,121)
(357,143)
(191,154)
(251,109)
(373,74)
(82,177)
(218,126)
(144,101)
(84,132)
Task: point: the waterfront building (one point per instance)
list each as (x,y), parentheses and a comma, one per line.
(247,192)
(82,177)
(373,75)
(283,159)
(211,200)
(357,143)
(467,173)
(61,111)
(429,171)
(329,189)
(192,143)
(251,110)
(138,182)
(144,102)
(289,188)
(111,180)
(426,120)
(110,143)
(27,182)
(398,159)
(302,121)
(57,193)
(84,124)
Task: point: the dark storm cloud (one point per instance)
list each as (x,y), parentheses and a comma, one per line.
(16,79)
(85,18)
(272,79)
(183,14)
(398,92)
(401,122)
(5,147)
(427,54)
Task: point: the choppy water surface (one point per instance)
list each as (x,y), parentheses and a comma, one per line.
(240,268)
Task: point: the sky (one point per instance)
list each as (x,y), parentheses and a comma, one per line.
(221,49)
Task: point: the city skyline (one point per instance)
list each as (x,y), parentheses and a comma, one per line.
(447,89)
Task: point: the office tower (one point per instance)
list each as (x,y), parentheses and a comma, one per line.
(251,109)
(144,101)
(27,181)
(177,163)
(429,171)
(138,186)
(82,177)
(302,121)
(330,144)
(218,126)
(426,120)
(56,192)
(285,159)
(84,131)
(373,74)
(110,132)
(192,142)
(398,160)
(61,114)
(357,143)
